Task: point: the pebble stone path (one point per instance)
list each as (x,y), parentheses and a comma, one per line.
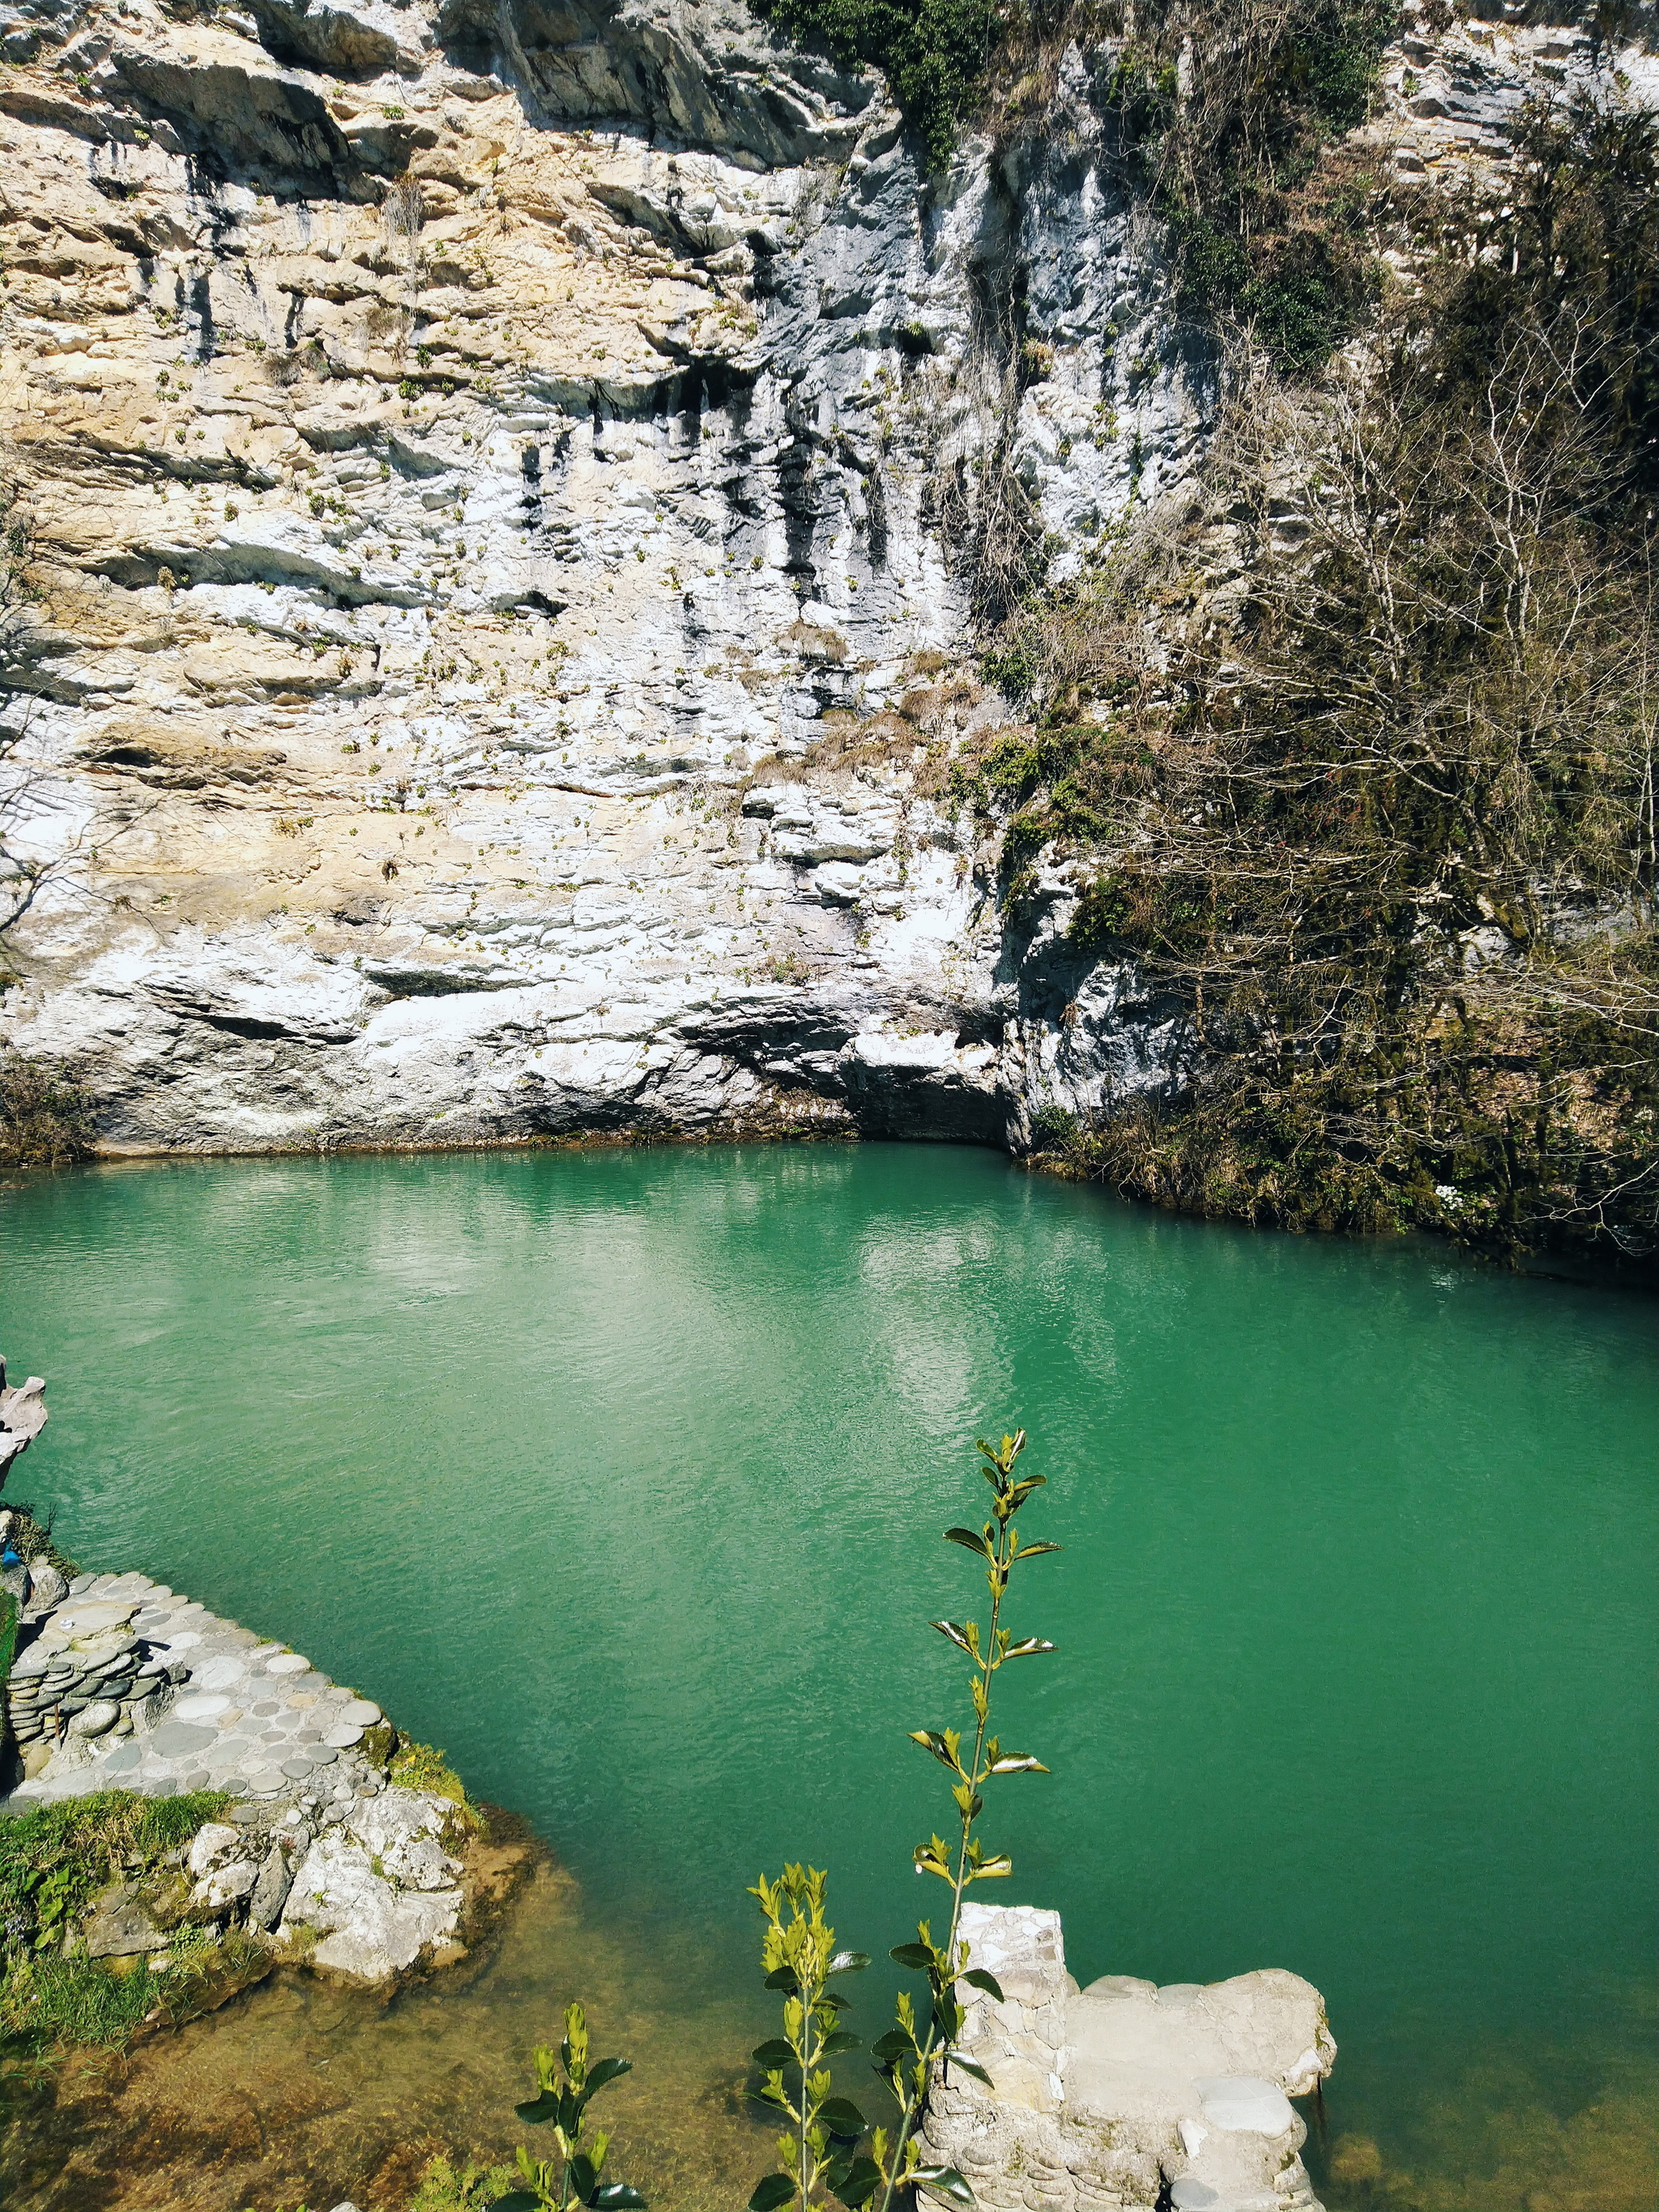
(250,1717)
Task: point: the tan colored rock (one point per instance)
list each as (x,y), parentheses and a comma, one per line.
(458,462)
(1104,2098)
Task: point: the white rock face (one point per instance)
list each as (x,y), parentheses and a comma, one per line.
(1105,2097)
(509,490)
(381,1888)
(462,458)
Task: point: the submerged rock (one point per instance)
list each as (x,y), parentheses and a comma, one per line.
(1106,2097)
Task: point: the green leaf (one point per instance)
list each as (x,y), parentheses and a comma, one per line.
(584,2176)
(839,2041)
(896,2043)
(859,2184)
(783,1977)
(977,1977)
(943,2181)
(949,1628)
(608,2070)
(544,2107)
(930,1740)
(773,2056)
(971,1540)
(516,2200)
(913,1954)
(848,1962)
(1017,1763)
(776,2189)
(968,2066)
(1027,1646)
(841,2117)
(617,2196)
(1031,1551)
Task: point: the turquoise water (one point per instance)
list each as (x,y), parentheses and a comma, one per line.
(620,1476)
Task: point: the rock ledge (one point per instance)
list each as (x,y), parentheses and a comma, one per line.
(1107,2097)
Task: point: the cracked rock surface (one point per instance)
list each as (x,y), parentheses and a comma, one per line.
(504,484)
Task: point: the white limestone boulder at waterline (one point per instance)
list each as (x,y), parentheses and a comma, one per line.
(380,1886)
(1107,2097)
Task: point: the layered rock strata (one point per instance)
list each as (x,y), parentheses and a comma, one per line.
(1122,2097)
(510,491)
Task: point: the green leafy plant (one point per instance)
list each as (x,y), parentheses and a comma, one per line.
(820,2155)
(800,1958)
(566,2082)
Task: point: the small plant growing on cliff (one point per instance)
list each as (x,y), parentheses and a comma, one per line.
(576,2175)
(44,1120)
(820,2155)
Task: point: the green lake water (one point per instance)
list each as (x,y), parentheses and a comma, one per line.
(620,1474)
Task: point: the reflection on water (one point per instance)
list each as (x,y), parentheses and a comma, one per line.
(1354,1615)
(299,2095)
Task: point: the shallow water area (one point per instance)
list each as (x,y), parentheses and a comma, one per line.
(620,1476)
(300,2094)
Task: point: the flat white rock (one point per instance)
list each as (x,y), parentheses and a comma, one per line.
(379,1890)
(79,1620)
(199,1708)
(1245,2104)
(288,1663)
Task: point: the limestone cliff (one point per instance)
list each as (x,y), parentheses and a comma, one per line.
(509,489)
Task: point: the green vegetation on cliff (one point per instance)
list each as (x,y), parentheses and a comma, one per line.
(935,53)
(1371,799)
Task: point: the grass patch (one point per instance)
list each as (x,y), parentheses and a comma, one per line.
(419,1766)
(447,2187)
(48,2002)
(54,1861)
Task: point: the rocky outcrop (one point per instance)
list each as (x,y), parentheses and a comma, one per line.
(1123,2096)
(122,1684)
(22,1417)
(510,490)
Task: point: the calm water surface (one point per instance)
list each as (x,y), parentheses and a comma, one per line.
(620,1476)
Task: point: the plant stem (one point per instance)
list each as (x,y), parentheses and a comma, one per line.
(1005,1541)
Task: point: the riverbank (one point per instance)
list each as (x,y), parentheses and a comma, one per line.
(1603,1266)
(193,1805)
